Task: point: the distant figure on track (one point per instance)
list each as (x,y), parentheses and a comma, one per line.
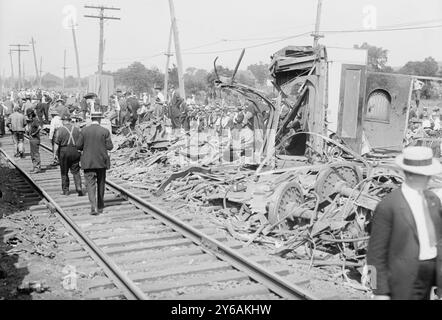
(68,155)
(16,124)
(95,141)
(34,139)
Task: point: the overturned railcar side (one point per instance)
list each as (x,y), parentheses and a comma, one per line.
(356,105)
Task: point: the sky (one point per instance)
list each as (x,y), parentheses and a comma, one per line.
(211,28)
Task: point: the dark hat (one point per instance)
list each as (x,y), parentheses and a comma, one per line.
(90,95)
(66,116)
(158,88)
(96,114)
(59,100)
(30,112)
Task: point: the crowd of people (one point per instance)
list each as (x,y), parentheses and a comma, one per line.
(28,112)
(424,128)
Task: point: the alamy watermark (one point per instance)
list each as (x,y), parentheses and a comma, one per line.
(70,16)
(70,278)
(370,17)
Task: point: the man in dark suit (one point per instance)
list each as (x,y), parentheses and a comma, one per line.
(95,141)
(404,251)
(175,111)
(132,105)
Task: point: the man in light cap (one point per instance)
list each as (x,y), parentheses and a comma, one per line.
(404,249)
(16,124)
(56,123)
(68,155)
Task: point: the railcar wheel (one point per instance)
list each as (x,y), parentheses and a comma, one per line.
(286,197)
(328,179)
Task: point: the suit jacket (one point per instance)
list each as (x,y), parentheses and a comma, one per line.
(394,246)
(94,141)
(133,105)
(175,105)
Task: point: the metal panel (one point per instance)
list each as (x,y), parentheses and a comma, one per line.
(388,134)
(352,93)
(350,103)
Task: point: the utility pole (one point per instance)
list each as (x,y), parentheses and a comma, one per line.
(168,54)
(64,68)
(316,36)
(176,40)
(19,50)
(12,65)
(102,17)
(41,71)
(77,59)
(35,60)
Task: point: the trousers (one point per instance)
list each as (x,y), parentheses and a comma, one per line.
(2,125)
(95,185)
(18,137)
(35,152)
(426,279)
(45,109)
(69,159)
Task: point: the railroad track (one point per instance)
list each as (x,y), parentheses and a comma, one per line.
(147,253)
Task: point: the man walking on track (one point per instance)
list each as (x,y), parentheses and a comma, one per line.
(16,124)
(34,139)
(95,141)
(404,250)
(68,155)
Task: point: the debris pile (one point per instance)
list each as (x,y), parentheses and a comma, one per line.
(41,241)
(319,212)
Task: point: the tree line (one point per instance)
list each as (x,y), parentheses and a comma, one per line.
(139,78)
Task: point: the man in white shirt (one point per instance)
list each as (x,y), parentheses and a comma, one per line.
(404,248)
(158,109)
(56,123)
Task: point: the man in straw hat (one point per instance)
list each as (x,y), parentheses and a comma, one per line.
(95,141)
(404,249)
(68,155)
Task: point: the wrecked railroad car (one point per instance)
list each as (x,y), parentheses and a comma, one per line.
(337,111)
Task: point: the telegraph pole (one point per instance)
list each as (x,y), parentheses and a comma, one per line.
(102,17)
(168,54)
(35,60)
(176,40)
(77,59)
(19,50)
(316,36)
(12,65)
(41,70)
(64,68)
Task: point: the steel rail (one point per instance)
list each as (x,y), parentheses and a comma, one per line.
(121,280)
(269,279)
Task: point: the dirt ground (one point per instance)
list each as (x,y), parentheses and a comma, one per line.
(30,255)
(327,282)
(31,262)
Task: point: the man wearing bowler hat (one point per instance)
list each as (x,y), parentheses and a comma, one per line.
(95,141)
(404,249)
